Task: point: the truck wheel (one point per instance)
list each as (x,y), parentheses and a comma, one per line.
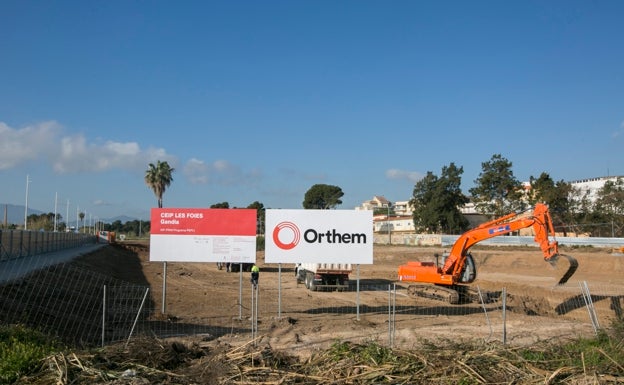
(310,282)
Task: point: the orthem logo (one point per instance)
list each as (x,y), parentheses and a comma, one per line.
(295,232)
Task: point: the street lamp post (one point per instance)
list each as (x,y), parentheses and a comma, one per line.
(26,205)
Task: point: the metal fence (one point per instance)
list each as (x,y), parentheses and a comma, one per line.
(20,243)
(86,308)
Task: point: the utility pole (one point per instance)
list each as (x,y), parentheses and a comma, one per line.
(388,223)
(26,205)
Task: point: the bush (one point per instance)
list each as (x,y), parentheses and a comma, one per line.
(21,349)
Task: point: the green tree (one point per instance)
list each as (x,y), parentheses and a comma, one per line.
(542,189)
(437,202)
(610,205)
(222,205)
(323,197)
(158,177)
(558,197)
(497,191)
(260,215)
(41,221)
(116,226)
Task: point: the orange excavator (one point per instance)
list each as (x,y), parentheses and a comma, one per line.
(448,280)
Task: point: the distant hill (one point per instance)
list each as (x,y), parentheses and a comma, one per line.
(15,215)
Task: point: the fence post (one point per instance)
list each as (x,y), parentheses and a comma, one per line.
(487,317)
(164,288)
(10,253)
(136,319)
(21,244)
(504,294)
(589,303)
(29,243)
(357,294)
(103,315)
(279,291)
(389,316)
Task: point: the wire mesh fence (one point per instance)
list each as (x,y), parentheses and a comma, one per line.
(87,308)
(20,243)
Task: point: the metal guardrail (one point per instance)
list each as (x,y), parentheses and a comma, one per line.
(513,240)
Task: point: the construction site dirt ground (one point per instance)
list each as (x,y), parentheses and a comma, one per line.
(300,321)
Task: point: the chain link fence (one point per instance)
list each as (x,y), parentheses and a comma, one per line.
(86,308)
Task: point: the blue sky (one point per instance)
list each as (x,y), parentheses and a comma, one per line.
(260,100)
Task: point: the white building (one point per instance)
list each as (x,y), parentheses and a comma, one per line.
(590,187)
(399,220)
(378,202)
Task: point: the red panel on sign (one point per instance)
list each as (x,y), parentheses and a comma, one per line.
(185,221)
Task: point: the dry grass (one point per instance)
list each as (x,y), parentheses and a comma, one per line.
(152,361)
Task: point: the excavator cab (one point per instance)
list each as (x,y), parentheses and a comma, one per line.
(469,274)
(469,269)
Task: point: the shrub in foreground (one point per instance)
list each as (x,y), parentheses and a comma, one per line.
(21,350)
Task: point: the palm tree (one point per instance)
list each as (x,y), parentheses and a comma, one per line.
(81,215)
(158,178)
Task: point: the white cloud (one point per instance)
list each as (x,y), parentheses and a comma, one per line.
(19,146)
(220,172)
(76,155)
(70,154)
(196,171)
(412,176)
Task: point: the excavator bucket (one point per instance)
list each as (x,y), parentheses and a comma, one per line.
(571,269)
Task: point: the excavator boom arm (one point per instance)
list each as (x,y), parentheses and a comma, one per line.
(540,220)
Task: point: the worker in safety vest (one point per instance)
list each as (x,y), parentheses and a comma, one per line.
(255,274)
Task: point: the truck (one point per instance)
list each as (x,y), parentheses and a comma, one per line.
(323,276)
(448,279)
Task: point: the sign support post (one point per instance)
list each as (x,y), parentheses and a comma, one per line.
(164,288)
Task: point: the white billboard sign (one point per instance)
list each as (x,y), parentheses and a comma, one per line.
(203,235)
(319,236)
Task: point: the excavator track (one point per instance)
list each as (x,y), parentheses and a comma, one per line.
(573,266)
(440,293)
